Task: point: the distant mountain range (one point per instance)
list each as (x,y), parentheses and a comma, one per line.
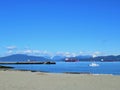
(24,58)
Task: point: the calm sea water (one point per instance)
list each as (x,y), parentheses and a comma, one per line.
(73,67)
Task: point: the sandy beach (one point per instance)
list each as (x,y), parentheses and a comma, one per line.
(26,80)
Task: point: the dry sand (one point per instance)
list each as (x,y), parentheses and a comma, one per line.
(26,80)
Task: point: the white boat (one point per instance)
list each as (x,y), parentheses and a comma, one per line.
(93,64)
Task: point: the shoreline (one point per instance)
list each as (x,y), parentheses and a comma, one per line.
(27,80)
(79,73)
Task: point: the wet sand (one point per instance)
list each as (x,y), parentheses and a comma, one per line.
(26,80)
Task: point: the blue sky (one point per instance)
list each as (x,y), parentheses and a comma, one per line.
(71,26)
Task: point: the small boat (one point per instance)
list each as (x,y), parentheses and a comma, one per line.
(93,64)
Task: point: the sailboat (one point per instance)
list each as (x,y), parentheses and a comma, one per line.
(93,64)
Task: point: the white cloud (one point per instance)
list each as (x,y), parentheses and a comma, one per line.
(27,51)
(36,51)
(46,53)
(14,50)
(9,52)
(68,54)
(74,54)
(95,54)
(81,52)
(11,47)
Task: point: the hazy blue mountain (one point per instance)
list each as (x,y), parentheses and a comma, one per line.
(59,58)
(107,58)
(80,57)
(22,58)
